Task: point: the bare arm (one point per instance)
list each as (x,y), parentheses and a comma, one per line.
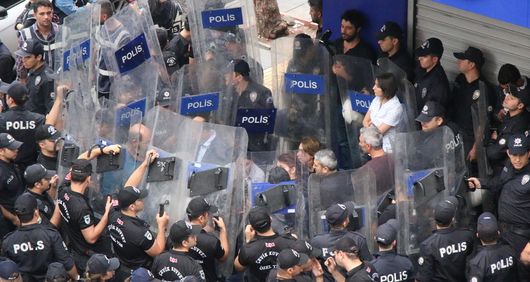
(160,241)
(56,216)
(367,121)
(92,233)
(223,237)
(138,174)
(96,152)
(55,111)
(383,128)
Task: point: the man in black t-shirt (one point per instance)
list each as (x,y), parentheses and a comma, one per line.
(133,241)
(209,248)
(350,42)
(262,245)
(84,232)
(46,135)
(176,263)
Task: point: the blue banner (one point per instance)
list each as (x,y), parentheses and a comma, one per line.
(360,102)
(222,18)
(304,83)
(199,103)
(256,120)
(132,54)
(262,187)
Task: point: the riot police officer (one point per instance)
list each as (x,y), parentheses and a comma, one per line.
(346,255)
(443,255)
(337,216)
(134,243)
(40,86)
(11,182)
(209,249)
(85,232)
(514,199)
(176,263)
(389,39)
(42,184)
(494,261)
(431,82)
(262,245)
(33,246)
(46,135)
(21,123)
(390,265)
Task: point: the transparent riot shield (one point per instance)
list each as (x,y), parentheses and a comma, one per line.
(208,161)
(355,79)
(225,30)
(350,187)
(118,125)
(273,182)
(303,91)
(132,54)
(202,91)
(74,63)
(424,171)
(406,94)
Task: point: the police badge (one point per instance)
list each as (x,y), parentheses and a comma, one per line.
(502,141)
(423,92)
(476,94)
(253,96)
(525,179)
(37,80)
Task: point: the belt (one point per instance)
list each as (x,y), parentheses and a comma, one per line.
(519,229)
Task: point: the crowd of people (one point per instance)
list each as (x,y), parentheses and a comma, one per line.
(83,225)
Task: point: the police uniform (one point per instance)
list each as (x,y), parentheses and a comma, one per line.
(362,273)
(45,204)
(401,58)
(7,62)
(77,214)
(11,182)
(181,47)
(432,85)
(177,264)
(207,250)
(170,60)
(33,247)
(493,261)
(50,133)
(514,199)
(443,255)
(40,88)
(130,236)
(390,266)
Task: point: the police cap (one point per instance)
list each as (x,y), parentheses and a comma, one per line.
(181,230)
(347,245)
(18,92)
(487,226)
(431,109)
(289,258)
(36,172)
(471,54)
(386,234)
(523,94)
(46,131)
(336,214)
(25,204)
(142,275)
(129,195)
(30,47)
(241,67)
(302,246)
(259,218)
(518,144)
(391,29)
(198,206)
(7,141)
(57,271)
(8,269)
(100,264)
(82,167)
(444,212)
(431,46)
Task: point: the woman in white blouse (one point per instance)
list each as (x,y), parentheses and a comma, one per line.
(385,111)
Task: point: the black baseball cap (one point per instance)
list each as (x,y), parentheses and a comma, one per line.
(56,270)
(81,167)
(347,245)
(4,86)
(289,258)
(302,246)
(198,206)
(336,213)
(431,46)
(391,29)
(46,131)
(30,47)
(444,212)
(487,226)
(518,144)
(19,92)
(259,217)
(100,264)
(8,269)
(129,195)
(7,141)
(386,234)
(142,275)
(26,204)
(472,54)
(37,172)
(241,67)
(523,94)
(431,109)
(181,230)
